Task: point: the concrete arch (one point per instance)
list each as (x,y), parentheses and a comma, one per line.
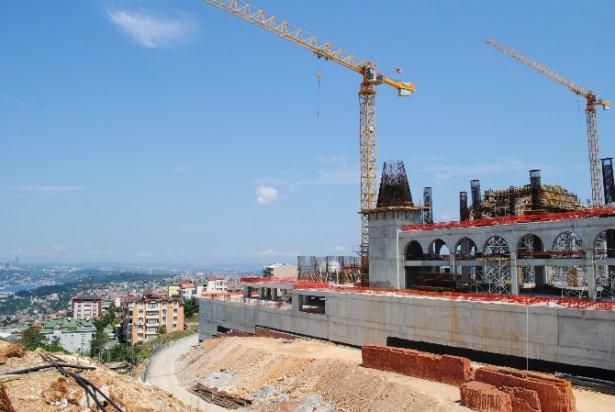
(414,251)
(496,246)
(465,249)
(437,247)
(530,242)
(604,244)
(568,241)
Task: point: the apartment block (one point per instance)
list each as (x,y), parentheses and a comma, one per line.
(86,307)
(145,317)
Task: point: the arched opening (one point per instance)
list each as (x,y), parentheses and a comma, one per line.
(437,250)
(430,276)
(604,248)
(414,251)
(465,252)
(532,277)
(568,245)
(569,280)
(496,246)
(466,249)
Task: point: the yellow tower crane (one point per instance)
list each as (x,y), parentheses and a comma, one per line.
(593,142)
(367,103)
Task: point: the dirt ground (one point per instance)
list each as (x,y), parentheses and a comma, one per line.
(277,374)
(48,390)
(306,375)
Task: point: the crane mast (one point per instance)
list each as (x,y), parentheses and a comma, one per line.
(367,95)
(593,141)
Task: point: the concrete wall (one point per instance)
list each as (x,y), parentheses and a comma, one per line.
(571,336)
(383,229)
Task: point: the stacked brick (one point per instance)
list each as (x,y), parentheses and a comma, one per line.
(484,397)
(485,389)
(447,369)
(554,395)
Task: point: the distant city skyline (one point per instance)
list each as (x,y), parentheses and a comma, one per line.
(169,132)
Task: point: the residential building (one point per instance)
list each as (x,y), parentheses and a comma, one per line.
(187,290)
(86,307)
(72,334)
(146,317)
(173,291)
(216,284)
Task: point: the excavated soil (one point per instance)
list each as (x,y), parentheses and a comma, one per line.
(277,374)
(48,390)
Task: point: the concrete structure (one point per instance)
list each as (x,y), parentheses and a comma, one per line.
(545,332)
(572,253)
(86,307)
(280,270)
(146,317)
(72,335)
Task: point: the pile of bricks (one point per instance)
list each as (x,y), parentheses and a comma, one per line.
(553,394)
(447,369)
(484,397)
(487,388)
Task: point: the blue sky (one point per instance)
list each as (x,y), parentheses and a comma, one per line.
(168,131)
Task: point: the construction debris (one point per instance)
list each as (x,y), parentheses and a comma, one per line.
(220,398)
(32,384)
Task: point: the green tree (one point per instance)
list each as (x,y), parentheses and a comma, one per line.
(32,339)
(191,306)
(98,342)
(162,330)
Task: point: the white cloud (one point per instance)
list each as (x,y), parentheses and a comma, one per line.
(339,249)
(48,189)
(266,195)
(59,247)
(145,254)
(180,170)
(151,31)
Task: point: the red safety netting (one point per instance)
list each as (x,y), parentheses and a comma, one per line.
(252,279)
(530,218)
(459,296)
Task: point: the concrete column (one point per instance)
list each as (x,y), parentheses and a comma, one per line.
(590,272)
(514,273)
(247,291)
(274,294)
(297,302)
(261,293)
(541,278)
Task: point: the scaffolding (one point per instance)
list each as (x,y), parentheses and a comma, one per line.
(334,269)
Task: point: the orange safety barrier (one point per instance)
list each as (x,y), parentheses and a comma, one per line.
(507,220)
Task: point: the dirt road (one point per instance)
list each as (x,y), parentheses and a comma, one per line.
(162,373)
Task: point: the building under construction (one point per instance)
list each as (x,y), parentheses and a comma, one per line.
(526,277)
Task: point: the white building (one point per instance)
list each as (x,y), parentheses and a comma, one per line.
(72,335)
(216,284)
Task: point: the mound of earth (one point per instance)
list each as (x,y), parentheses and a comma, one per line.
(306,375)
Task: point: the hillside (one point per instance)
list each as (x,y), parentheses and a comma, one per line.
(49,390)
